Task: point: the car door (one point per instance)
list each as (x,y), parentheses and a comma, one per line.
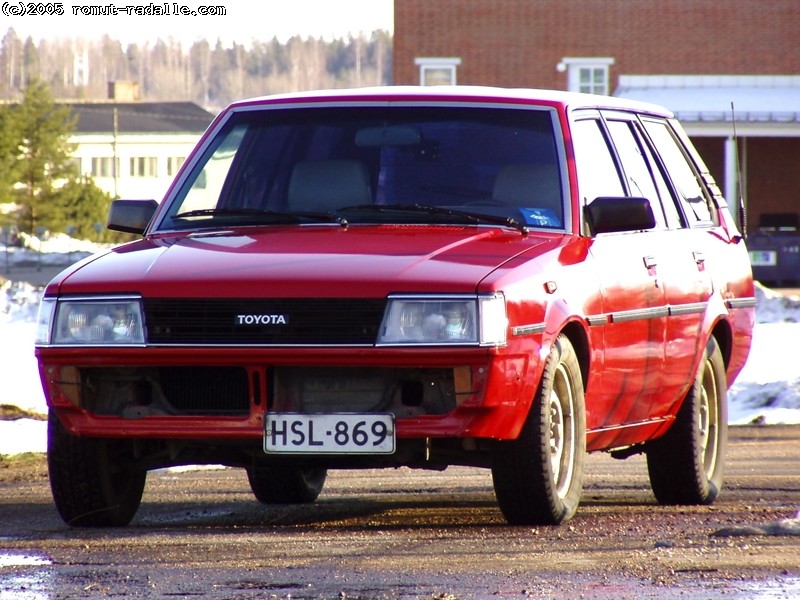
(630,328)
(678,251)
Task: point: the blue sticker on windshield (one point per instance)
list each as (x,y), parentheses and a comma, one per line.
(540,217)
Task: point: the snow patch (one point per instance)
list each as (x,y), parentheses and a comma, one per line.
(767,391)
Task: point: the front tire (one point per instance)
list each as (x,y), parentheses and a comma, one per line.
(92,480)
(284,485)
(538,478)
(686,465)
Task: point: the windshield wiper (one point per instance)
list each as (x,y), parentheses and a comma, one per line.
(438,210)
(224,212)
(257,212)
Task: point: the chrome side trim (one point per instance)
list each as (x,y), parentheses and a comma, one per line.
(528,329)
(595,320)
(688,309)
(734,303)
(655,312)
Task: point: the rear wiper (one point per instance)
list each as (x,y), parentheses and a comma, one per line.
(438,210)
(255,212)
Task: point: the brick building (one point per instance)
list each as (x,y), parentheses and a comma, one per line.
(693,56)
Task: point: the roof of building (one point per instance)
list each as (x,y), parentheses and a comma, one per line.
(140,117)
(708,98)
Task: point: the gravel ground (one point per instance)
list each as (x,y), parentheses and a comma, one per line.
(416,534)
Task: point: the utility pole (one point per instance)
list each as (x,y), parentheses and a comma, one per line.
(114,159)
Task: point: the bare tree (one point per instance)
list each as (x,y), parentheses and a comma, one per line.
(211,75)
(11,53)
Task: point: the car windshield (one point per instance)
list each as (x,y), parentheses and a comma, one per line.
(367,164)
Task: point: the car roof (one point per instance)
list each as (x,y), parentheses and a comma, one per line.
(457,94)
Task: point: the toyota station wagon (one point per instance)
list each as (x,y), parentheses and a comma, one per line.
(406,277)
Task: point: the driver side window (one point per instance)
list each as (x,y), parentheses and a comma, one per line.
(596,167)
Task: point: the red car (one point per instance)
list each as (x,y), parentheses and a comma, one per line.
(414,277)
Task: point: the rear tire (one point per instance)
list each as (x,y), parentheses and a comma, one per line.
(686,465)
(282,485)
(93,481)
(538,478)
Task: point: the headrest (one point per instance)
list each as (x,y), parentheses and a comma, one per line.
(534,185)
(325,185)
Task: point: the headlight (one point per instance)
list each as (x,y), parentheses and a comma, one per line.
(462,320)
(91,321)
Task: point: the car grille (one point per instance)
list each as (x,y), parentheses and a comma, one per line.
(134,392)
(263,322)
(207,390)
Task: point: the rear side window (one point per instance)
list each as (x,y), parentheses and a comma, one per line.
(691,195)
(637,172)
(642,171)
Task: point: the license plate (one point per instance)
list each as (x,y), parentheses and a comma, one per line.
(330,433)
(763,258)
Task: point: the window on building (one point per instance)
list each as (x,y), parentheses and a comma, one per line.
(173,164)
(437,71)
(588,75)
(75,165)
(144,166)
(103,166)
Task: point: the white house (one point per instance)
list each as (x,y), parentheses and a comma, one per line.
(134,149)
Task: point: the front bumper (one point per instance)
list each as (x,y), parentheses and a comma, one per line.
(224,393)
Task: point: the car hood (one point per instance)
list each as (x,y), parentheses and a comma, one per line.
(358,261)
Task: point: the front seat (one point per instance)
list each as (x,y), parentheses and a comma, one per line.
(529,185)
(325,185)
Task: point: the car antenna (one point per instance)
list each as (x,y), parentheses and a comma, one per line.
(740,195)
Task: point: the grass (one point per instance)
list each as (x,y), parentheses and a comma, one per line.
(9,412)
(25,468)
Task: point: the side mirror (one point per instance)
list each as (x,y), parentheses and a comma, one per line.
(130,216)
(617,214)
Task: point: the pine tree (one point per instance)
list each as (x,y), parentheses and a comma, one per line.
(9,154)
(82,209)
(45,154)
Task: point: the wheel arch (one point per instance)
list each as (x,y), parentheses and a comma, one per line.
(723,334)
(579,339)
